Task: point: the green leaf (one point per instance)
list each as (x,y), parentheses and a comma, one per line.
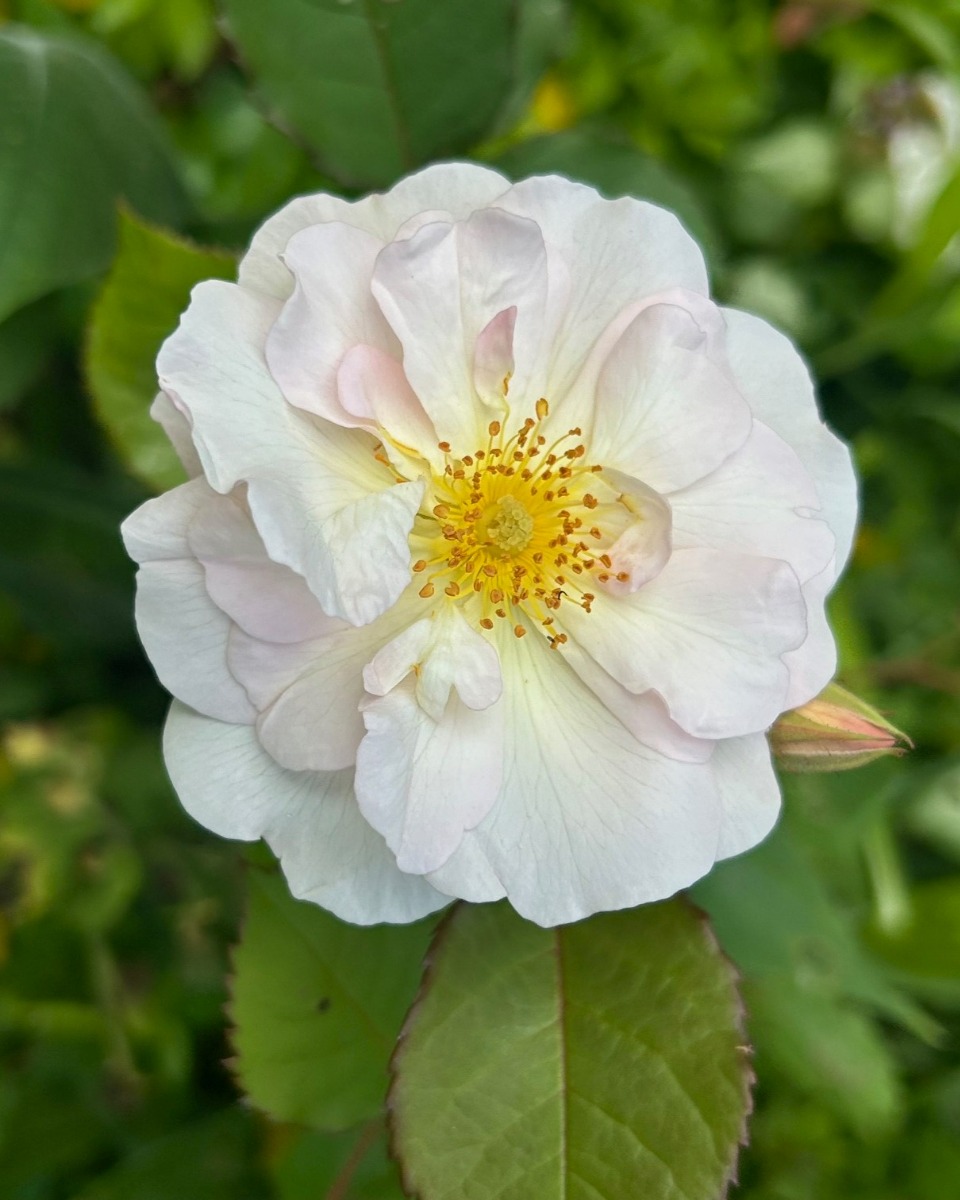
(209,1160)
(934,814)
(377,87)
(317,1006)
(616,169)
(809,984)
(27,339)
(543,28)
(828,1050)
(604,1058)
(76,135)
(146,291)
(352,1165)
(908,286)
(796,929)
(928,943)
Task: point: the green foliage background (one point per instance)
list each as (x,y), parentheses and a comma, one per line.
(813,146)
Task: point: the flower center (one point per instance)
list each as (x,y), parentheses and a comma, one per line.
(509,526)
(517,528)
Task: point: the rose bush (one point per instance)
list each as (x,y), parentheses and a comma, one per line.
(503,548)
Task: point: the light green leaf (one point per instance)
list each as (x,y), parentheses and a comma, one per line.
(810,986)
(604,1058)
(828,1050)
(317,1006)
(75,135)
(377,87)
(147,290)
(934,814)
(616,169)
(774,916)
(928,943)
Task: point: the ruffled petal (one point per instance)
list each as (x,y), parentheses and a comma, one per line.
(322,503)
(456,189)
(749,793)
(441,288)
(331,309)
(642,550)
(777,385)
(605,255)
(813,664)
(422,782)
(666,410)
(493,358)
(328,852)
(370,381)
(707,634)
(645,715)
(588,819)
(177,428)
(265,599)
(308,694)
(183,632)
(755,503)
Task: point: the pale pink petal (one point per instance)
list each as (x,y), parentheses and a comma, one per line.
(176,426)
(493,360)
(183,632)
(185,636)
(369,380)
(813,664)
(422,782)
(774,378)
(588,819)
(613,253)
(642,550)
(157,530)
(329,853)
(708,633)
(444,652)
(645,715)
(455,189)
(265,599)
(331,310)
(749,793)
(440,288)
(666,411)
(754,503)
(321,501)
(308,694)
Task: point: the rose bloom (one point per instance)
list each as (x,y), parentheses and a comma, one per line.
(503,548)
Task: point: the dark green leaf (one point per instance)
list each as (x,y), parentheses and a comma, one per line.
(604,1058)
(352,1165)
(377,87)
(26,341)
(147,290)
(210,1160)
(317,1006)
(75,135)
(543,27)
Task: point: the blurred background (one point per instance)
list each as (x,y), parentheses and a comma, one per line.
(814,150)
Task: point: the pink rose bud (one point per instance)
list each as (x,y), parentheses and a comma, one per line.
(834,732)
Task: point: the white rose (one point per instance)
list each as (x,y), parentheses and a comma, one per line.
(505,547)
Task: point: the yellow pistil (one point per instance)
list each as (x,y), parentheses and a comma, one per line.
(511,528)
